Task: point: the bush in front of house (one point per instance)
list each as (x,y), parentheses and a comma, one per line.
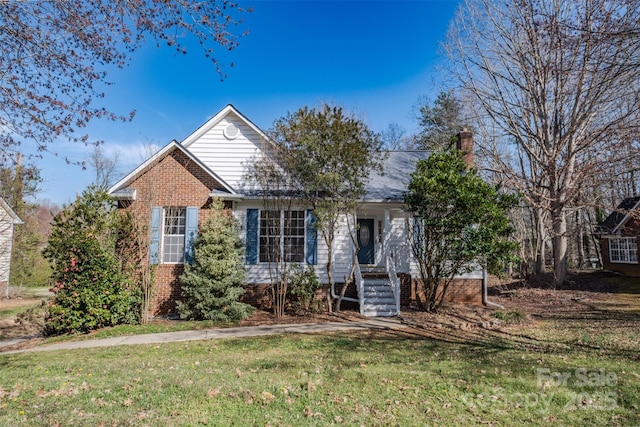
(303,284)
(90,290)
(214,282)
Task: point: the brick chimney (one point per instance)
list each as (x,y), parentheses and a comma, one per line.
(465,144)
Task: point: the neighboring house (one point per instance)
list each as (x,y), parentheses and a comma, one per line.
(619,238)
(8,220)
(172,191)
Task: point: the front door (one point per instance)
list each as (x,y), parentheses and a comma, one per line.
(366,255)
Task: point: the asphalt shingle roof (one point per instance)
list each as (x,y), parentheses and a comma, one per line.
(390,184)
(618,216)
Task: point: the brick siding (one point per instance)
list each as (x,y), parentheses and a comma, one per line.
(466,291)
(630,229)
(174,180)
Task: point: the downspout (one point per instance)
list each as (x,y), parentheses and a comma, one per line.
(336,296)
(485,298)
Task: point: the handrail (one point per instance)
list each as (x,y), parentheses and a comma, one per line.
(359,286)
(400,256)
(395,281)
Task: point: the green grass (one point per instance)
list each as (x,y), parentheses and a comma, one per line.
(128,330)
(8,313)
(511,317)
(360,378)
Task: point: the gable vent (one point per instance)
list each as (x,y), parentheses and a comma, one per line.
(231,131)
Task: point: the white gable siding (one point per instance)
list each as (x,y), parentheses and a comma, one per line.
(229,158)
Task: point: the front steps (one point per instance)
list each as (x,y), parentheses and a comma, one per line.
(378,299)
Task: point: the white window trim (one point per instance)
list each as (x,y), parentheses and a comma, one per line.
(163,235)
(627,250)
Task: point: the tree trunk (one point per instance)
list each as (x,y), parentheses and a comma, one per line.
(559,247)
(540,238)
(330,277)
(580,239)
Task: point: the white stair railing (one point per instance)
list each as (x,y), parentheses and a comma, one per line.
(394,280)
(359,286)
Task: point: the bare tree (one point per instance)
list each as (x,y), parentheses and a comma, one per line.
(557,81)
(105,166)
(54,57)
(277,191)
(395,137)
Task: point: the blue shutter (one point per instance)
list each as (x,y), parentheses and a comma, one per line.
(154,242)
(252,236)
(312,238)
(417,239)
(190,233)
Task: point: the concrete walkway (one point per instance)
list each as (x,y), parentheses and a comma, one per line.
(209,334)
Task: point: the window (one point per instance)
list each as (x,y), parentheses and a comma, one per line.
(282,236)
(623,250)
(293,236)
(173,235)
(269,236)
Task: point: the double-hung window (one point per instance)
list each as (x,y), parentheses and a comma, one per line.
(270,226)
(173,230)
(282,236)
(175,221)
(623,250)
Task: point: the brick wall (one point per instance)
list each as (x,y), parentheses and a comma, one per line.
(167,288)
(466,291)
(174,180)
(259,296)
(407,291)
(630,229)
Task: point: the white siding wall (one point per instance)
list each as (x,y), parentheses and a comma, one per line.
(228,158)
(398,242)
(342,252)
(259,273)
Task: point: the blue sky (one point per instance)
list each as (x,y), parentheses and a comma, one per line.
(374,58)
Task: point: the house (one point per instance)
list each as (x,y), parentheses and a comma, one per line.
(619,238)
(8,220)
(173,189)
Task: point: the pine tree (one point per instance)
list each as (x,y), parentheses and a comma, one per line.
(214,282)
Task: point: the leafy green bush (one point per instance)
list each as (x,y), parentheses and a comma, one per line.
(90,290)
(303,284)
(214,282)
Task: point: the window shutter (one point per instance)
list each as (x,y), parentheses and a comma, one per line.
(312,238)
(190,233)
(417,237)
(252,236)
(154,242)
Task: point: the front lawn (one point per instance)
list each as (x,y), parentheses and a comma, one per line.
(564,357)
(360,378)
